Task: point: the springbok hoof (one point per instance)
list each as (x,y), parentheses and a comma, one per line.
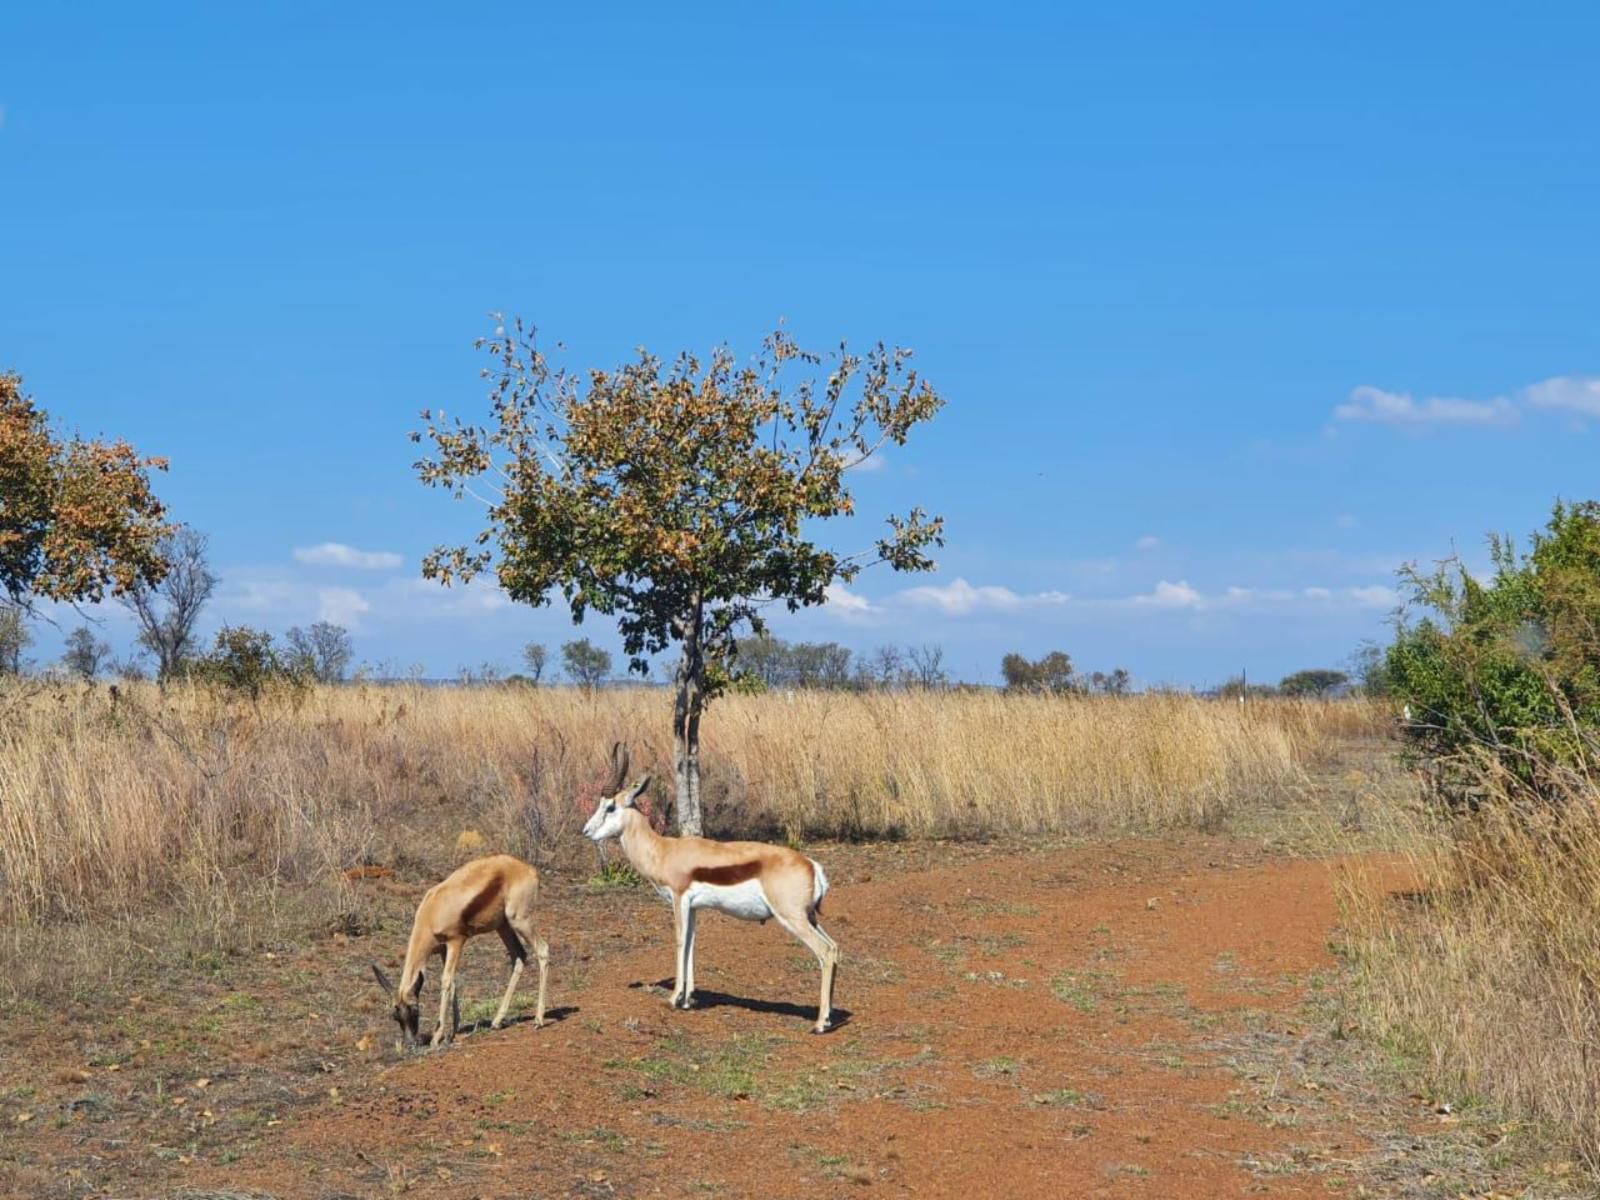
(825,1027)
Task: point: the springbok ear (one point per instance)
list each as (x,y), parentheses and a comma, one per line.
(383,980)
(619,766)
(638,790)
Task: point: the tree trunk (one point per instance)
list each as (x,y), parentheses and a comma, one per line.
(686,726)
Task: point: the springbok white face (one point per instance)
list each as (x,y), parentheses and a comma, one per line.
(607,821)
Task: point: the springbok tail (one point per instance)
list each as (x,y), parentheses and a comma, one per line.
(819,885)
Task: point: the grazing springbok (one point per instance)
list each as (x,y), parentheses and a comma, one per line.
(748,880)
(487,895)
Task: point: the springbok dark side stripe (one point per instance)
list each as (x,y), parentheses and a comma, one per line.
(480,902)
(726,876)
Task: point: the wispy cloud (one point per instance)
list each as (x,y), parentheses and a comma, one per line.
(1566,393)
(873,462)
(1180,596)
(843,603)
(1171,595)
(1148,542)
(342,606)
(1380,407)
(337,554)
(960,598)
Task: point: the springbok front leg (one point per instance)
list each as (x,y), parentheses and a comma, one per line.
(449,1011)
(688,956)
(683,926)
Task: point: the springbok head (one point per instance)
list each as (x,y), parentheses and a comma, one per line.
(607,820)
(406,1009)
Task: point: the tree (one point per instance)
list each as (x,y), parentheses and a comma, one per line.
(1315,682)
(882,668)
(15,637)
(819,665)
(677,499)
(323,652)
(78,519)
(1116,683)
(535,656)
(168,610)
(587,664)
(925,666)
(1052,673)
(85,653)
(1238,687)
(1368,666)
(771,662)
(244,660)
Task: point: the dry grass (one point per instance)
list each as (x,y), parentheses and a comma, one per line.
(198,802)
(1487,970)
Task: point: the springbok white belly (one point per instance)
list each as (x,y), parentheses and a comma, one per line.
(743,900)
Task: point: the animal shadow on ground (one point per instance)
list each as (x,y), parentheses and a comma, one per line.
(782,1008)
(551,1016)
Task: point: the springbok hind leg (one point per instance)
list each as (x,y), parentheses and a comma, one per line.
(540,949)
(811,935)
(518,956)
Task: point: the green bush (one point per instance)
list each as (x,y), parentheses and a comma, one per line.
(1501,679)
(244,661)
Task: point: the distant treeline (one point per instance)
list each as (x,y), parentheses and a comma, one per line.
(763,663)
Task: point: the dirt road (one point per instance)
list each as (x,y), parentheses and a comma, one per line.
(1110,1021)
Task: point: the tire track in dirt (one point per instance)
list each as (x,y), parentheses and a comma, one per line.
(1037,1024)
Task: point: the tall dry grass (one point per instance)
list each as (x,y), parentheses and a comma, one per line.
(1487,968)
(187,800)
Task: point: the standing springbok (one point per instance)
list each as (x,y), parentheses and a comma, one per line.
(748,880)
(487,895)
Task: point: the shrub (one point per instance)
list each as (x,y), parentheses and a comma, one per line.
(1501,679)
(244,661)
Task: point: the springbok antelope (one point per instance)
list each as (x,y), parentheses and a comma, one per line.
(487,895)
(748,880)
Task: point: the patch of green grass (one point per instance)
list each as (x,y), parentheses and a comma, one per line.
(617,873)
(730,1070)
(993,943)
(607,1139)
(1068,1098)
(1081,989)
(996,1068)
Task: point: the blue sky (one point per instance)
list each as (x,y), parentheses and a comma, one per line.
(1236,307)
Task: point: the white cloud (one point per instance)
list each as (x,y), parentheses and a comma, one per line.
(873,462)
(844,603)
(960,598)
(342,606)
(1347,521)
(1376,596)
(337,554)
(1181,596)
(1566,393)
(1171,595)
(1148,542)
(1401,408)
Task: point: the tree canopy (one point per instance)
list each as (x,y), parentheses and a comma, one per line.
(78,518)
(678,499)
